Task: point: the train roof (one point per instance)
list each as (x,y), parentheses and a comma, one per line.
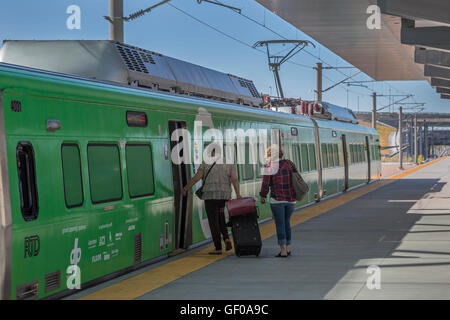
(122,63)
(125,94)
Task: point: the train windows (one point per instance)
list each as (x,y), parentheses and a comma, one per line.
(139,170)
(312,156)
(324,155)
(72,179)
(361,153)
(304,157)
(352,153)
(376,152)
(358,153)
(105,176)
(330,155)
(247,167)
(295,156)
(26,169)
(336,155)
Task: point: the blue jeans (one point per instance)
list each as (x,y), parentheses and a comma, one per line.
(282,214)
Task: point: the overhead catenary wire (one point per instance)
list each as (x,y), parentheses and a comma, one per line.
(305,51)
(230,36)
(218,30)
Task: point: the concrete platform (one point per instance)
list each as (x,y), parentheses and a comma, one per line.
(402,226)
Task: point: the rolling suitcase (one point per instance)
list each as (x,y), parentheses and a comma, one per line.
(243,216)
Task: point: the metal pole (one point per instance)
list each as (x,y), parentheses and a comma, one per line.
(319,82)
(432,141)
(411,137)
(277,78)
(415,139)
(400,129)
(374,110)
(425,141)
(421,141)
(116,24)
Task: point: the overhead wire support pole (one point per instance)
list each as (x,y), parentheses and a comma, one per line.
(275,61)
(116,30)
(319,90)
(374,110)
(400,129)
(116,18)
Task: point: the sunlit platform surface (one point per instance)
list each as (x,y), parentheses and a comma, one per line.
(400,226)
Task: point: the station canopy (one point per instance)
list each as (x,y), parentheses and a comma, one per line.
(413,42)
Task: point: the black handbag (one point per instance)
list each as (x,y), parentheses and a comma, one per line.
(199,192)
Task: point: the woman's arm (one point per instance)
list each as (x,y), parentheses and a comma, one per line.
(193,181)
(264,188)
(235,182)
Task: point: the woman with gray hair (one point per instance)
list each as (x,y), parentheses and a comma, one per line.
(278,178)
(217,180)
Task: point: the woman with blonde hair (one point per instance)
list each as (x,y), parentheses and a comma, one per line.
(278,177)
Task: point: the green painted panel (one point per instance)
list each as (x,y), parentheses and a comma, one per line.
(324,155)
(247,168)
(296,158)
(304,157)
(330,155)
(312,156)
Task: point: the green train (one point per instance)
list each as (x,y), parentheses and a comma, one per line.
(88,189)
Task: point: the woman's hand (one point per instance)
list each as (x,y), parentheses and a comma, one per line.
(238,196)
(185,189)
(263,200)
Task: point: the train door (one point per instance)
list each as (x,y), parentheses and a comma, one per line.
(368,159)
(182,204)
(345,153)
(275,138)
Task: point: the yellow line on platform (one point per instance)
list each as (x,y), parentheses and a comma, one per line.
(155,278)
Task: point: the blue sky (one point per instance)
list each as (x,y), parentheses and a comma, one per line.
(171,32)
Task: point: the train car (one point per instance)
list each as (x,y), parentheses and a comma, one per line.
(88,187)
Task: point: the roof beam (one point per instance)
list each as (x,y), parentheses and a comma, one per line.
(435,57)
(434,10)
(437,72)
(443,90)
(432,37)
(440,83)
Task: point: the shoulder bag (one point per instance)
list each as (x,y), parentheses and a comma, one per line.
(199,192)
(300,186)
